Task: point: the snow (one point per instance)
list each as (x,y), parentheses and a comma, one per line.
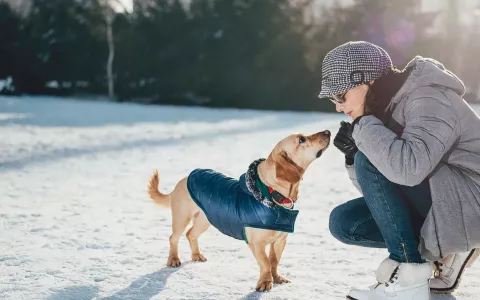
(76,223)
(6,85)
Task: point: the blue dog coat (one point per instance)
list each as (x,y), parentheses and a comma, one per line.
(230,206)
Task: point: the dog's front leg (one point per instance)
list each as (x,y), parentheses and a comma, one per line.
(276,250)
(265,281)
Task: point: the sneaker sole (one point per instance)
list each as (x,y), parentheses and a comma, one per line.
(467,264)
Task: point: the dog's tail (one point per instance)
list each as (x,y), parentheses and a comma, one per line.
(157,197)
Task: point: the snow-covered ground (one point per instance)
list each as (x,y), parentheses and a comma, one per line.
(76,223)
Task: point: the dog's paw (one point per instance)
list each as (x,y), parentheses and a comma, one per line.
(173,262)
(199,257)
(280,279)
(263,286)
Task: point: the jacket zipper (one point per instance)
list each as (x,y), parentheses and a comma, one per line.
(405,251)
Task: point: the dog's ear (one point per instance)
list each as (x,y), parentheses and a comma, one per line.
(286,169)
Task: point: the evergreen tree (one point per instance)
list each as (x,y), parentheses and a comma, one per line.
(220,53)
(59,45)
(10,37)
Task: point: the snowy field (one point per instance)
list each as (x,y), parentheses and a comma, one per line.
(76,223)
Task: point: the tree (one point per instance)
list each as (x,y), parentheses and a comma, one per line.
(220,53)
(10,37)
(57,45)
(154,51)
(109,15)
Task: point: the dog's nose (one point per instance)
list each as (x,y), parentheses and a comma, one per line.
(327,133)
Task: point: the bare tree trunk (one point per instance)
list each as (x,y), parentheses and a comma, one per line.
(109,15)
(111,56)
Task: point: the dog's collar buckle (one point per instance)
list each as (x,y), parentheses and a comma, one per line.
(280,199)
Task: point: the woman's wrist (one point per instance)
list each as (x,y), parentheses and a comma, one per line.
(349,160)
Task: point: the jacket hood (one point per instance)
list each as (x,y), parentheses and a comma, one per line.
(429,72)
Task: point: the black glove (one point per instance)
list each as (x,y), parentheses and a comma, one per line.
(345,142)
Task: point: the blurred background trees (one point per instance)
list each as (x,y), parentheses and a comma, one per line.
(262,54)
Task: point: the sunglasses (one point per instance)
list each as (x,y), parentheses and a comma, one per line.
(338,99)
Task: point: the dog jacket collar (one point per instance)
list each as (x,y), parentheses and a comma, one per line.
(251,177)
(263,193)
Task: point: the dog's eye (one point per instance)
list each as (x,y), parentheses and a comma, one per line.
(302,139)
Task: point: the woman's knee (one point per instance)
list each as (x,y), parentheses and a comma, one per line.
(338,223)
(364,169)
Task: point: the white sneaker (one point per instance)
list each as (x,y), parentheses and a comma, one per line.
(448,271)
(406,282)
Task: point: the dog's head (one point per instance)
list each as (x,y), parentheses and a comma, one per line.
(295,153)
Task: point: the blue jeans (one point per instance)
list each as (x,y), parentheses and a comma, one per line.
(388,215)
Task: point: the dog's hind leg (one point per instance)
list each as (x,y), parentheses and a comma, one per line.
(200,225)
(180,220)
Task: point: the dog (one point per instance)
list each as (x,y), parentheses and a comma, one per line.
(257,208)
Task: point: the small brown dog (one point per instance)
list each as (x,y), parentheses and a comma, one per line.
(253,208)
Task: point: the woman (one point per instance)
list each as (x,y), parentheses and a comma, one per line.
(413,151)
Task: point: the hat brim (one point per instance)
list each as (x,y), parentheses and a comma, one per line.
(328,91)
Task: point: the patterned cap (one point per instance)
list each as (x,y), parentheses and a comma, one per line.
(352,64)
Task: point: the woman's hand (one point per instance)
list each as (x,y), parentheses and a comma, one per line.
(345,142)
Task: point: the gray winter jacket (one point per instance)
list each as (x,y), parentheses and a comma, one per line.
(432,133)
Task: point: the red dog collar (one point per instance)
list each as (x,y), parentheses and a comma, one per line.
(280,199)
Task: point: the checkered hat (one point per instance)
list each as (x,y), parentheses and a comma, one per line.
(352,64)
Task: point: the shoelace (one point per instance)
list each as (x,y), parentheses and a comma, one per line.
(438,270)
(393,278)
